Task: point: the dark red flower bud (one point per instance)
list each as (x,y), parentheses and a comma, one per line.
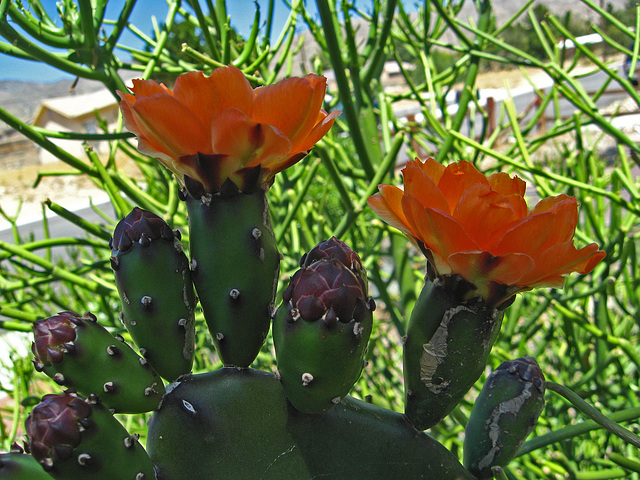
(139,226)
(52,337)
(54,427)
(334,248)
(327,289)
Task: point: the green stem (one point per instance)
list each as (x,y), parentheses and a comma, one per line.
(385,167)
(467,94)
(120,25)
(54,270)
(38,53)
(38,138)
(593,413)
(162,40)
(574,430)
(86,20)
(339,69)
(54,38)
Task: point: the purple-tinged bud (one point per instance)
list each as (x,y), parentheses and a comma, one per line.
(140,226)
(53,335)
(54,428)
(326,289)
(334,248)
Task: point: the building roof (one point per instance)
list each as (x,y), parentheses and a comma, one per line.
(74,106)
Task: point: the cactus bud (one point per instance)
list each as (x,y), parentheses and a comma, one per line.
(156,292)
(77,352)
(503,416)
(51,337)
(334,248)
(327,289)
(53,428)
(139,226)
(322,328)
(74,438)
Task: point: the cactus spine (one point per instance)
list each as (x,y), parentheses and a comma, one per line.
(74,438)
(445,351)
(235,264)
(78,352)
(154,281)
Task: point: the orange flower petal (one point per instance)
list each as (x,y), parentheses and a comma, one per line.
(438,231)
(537,233)
(206,96)
(485,214)
(560,260)
(325,122)
(431,167)
(457,178)
(169,126)
(247,143)
(421,186)
(549,203)
(388,206)
(291,105)
(506,185)
(146,88)
(480,267)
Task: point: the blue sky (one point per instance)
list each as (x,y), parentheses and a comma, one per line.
(241,13)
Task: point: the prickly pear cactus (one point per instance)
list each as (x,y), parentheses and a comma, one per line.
(78,352)
(322,328)
(445,351)
(233,424)
(235,264)
(240,423)
(503,416)
(154,282)
(75,438)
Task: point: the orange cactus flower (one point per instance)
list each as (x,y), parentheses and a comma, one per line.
(209,130)
(480,228)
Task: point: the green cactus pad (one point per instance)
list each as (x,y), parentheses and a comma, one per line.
(237,424)
(156,292)
(20,466)
(235,265)
(318,362)
(89,359)
(77,439)
(445,352)
(503,416)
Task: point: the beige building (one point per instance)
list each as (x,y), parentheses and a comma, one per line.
(76,113)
